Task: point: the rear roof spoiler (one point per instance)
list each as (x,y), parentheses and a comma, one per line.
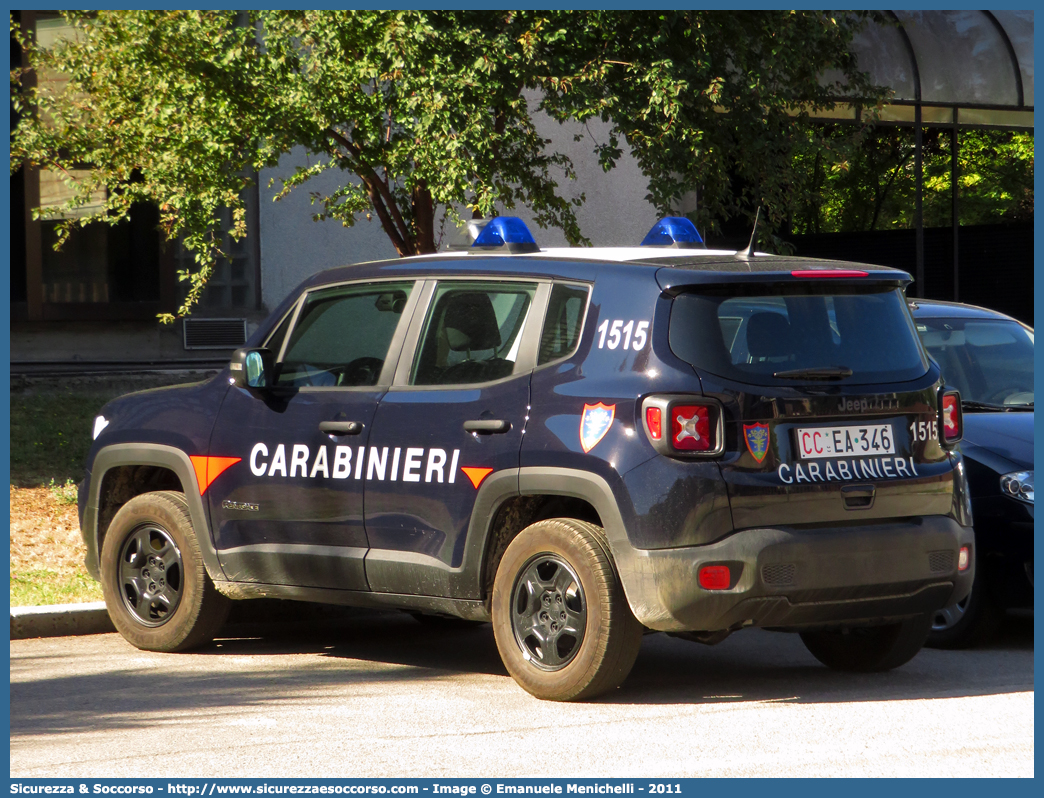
(674,280)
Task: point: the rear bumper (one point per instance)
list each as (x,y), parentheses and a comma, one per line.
(803,578)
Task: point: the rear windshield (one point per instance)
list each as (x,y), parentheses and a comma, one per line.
(753,333)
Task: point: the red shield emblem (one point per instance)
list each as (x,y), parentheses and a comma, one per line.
(594,423)
(757,437)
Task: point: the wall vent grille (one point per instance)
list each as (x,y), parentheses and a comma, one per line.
(214,333)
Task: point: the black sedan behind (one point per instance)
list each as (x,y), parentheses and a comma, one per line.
(988,357)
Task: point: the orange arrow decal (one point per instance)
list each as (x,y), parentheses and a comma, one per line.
(476,475)
(209,468)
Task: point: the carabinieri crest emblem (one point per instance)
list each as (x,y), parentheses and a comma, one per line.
(757,436)
(594,423)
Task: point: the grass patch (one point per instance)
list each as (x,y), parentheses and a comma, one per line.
(52,420)
(51,425)
(51,435)
(40,587)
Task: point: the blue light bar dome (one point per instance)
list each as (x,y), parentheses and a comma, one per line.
(507,234)
(674,231)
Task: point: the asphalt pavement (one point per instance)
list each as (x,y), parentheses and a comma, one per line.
(379,694)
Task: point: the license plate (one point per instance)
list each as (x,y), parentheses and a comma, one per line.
(851,441)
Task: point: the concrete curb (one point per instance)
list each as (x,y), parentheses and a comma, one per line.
(60,620)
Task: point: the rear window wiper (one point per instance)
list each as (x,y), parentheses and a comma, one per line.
(818,373)
(971,404)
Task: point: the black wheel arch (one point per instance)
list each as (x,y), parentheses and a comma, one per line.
(130,469)
(507,502)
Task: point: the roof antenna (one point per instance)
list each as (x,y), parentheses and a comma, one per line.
(748,253)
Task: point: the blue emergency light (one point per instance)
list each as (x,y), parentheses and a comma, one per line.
(673,231)
(505,233)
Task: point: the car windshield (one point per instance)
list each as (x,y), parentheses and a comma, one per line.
(990,361)
(796,333)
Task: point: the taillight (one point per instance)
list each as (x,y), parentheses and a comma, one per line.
(714,577)
(690,428)
(654,422)
(682,424)
(951,420)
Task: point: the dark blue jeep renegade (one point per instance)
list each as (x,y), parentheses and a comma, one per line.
(578,445)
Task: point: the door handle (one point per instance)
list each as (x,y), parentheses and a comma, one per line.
(487,426)
(340,427)
(858,497)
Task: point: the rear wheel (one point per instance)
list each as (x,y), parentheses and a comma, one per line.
(560,617)
(156,588)
(869,649)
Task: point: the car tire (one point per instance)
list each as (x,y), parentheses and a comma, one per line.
(967,623)
(560,617)
(156,588)
(869,649)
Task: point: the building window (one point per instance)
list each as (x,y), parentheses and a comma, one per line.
(234,282)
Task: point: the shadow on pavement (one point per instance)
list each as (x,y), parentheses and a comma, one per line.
(258,663)
(772,666)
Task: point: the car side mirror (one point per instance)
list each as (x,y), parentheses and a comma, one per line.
(251,368)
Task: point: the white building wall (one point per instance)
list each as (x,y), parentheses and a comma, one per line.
(294,247)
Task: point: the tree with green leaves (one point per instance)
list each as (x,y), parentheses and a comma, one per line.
(425,112)
(716,102)
(871,185)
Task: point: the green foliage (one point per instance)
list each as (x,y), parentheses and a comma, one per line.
(425,111)
(67,493)
(714,102)
(995,175)
(869,184)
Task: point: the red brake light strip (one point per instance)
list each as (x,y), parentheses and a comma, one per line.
(829,273)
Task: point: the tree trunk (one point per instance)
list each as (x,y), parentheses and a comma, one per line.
(423,220)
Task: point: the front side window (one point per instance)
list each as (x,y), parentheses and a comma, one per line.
(788,334)
(472,333)
(342,335)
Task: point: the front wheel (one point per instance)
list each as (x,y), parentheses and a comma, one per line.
(156,588)
(869,649)
(560,618)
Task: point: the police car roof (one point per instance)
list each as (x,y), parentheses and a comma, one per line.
(675,267)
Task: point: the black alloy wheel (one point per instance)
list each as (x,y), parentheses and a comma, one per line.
(157,590)
(150,574)
(548,612)
(562,624)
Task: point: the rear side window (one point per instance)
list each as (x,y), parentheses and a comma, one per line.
(562,323)
(472,333)
(754,333)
